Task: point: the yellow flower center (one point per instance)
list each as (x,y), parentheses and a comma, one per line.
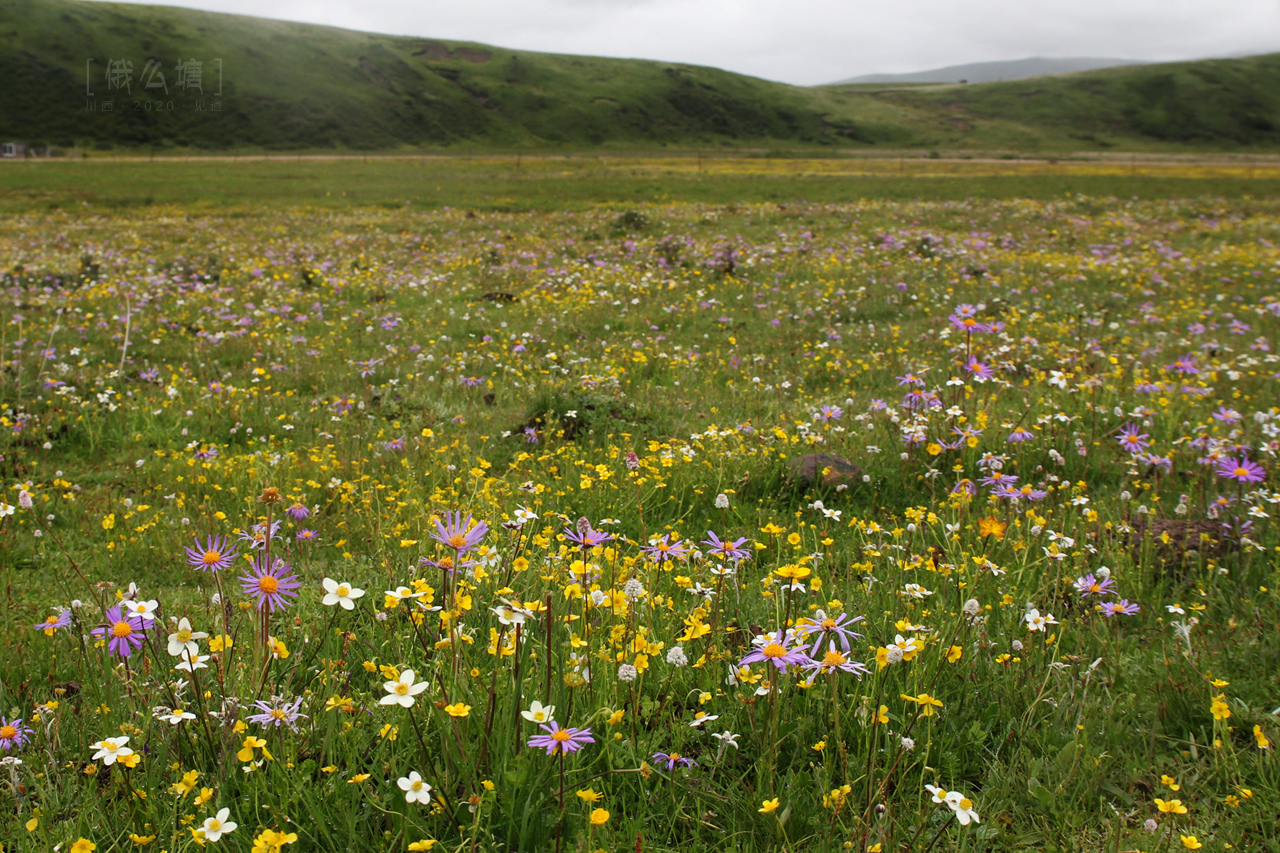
(675,756)
(966,803)
(773,650)
(121,629)
(213,825)
(268,584)
(560,735)
(833,659)
(8,732)
(51,620)
(417,786)
(458,540)
(184,635)
(402,689)
(111,746)
(1242,472)
(343,590)
(828,624)
(211,557)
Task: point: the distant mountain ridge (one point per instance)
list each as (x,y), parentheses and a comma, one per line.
(993,72)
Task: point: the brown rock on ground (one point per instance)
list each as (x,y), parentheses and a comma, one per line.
(822,469)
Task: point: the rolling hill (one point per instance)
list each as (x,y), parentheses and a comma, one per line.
(285,86)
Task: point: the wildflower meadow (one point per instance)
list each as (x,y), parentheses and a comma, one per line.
(875,526)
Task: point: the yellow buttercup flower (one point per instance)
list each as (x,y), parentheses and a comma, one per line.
(768,806)
(457,709)
(599,816)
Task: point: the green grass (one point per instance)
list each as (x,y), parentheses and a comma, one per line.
(631,332)
(549,184)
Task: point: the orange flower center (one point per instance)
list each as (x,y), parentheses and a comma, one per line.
(268,584)
(560,735)
(773,650)
(121,629)
(211,557)
(8,732)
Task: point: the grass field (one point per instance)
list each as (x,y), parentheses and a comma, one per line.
(329,485)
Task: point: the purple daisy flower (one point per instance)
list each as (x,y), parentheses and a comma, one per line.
(1020,435)
(124,634)
(562,740)
(671,759)
(256,535)
(298,511)
(666,548)
(1090,585)
(457,532)
(215,555)
(1241,470)
(270,583)
(278,712)
(1119,608)
(13,734)
(585,536)
(726,550)
(773,649)
(1132,438)
(53,623)
(1026,492)
(828,627)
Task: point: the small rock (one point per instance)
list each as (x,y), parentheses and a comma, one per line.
(822,469)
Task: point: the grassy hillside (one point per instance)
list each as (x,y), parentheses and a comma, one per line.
(285,86)
(1209,103)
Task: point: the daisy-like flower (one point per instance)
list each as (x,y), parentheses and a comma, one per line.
(963,808)
(217,826)
(773,649)
(1123,607)
(726,550)
(511,614)
(539,713)
(174,716)
(837,661)
(458,533)
(415,790)
(278,712)
(215,555)
(1036,622)
(270,584)
(825,626)
(342,594)
(110,750)
(182,643)
(671,759)
(1090,585)
(585,536)
(668,547)
(298,511)
(560,740)
(190,663)
(402,691)
(13,734)
(52,623)
(124,635)
(1132,438)
(144,610)
(1241,470)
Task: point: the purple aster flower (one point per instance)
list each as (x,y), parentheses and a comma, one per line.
(13,734)
(395,445)
(53,623)
(270,583)
(1133,439)
(306,534)
(825,626)
(216,554)
(563,740)
(726,550)
(1227,416)
(910,379)
(1090,585)
(830,413)
(124,635)
(964,487)
(1020,435)
(1119,608)
(1186,365)
(998,478)
(671,759)
(773,649)
(586,536)
(837,661)
(298,512)
(1026,492)
(458,533)
(666,548)
(1241,470)
(968,324)
(979,369)
(256,536)
(278,712)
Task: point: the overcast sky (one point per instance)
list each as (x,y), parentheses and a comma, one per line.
(811,41)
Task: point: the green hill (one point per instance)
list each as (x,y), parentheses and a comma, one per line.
(286,86)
